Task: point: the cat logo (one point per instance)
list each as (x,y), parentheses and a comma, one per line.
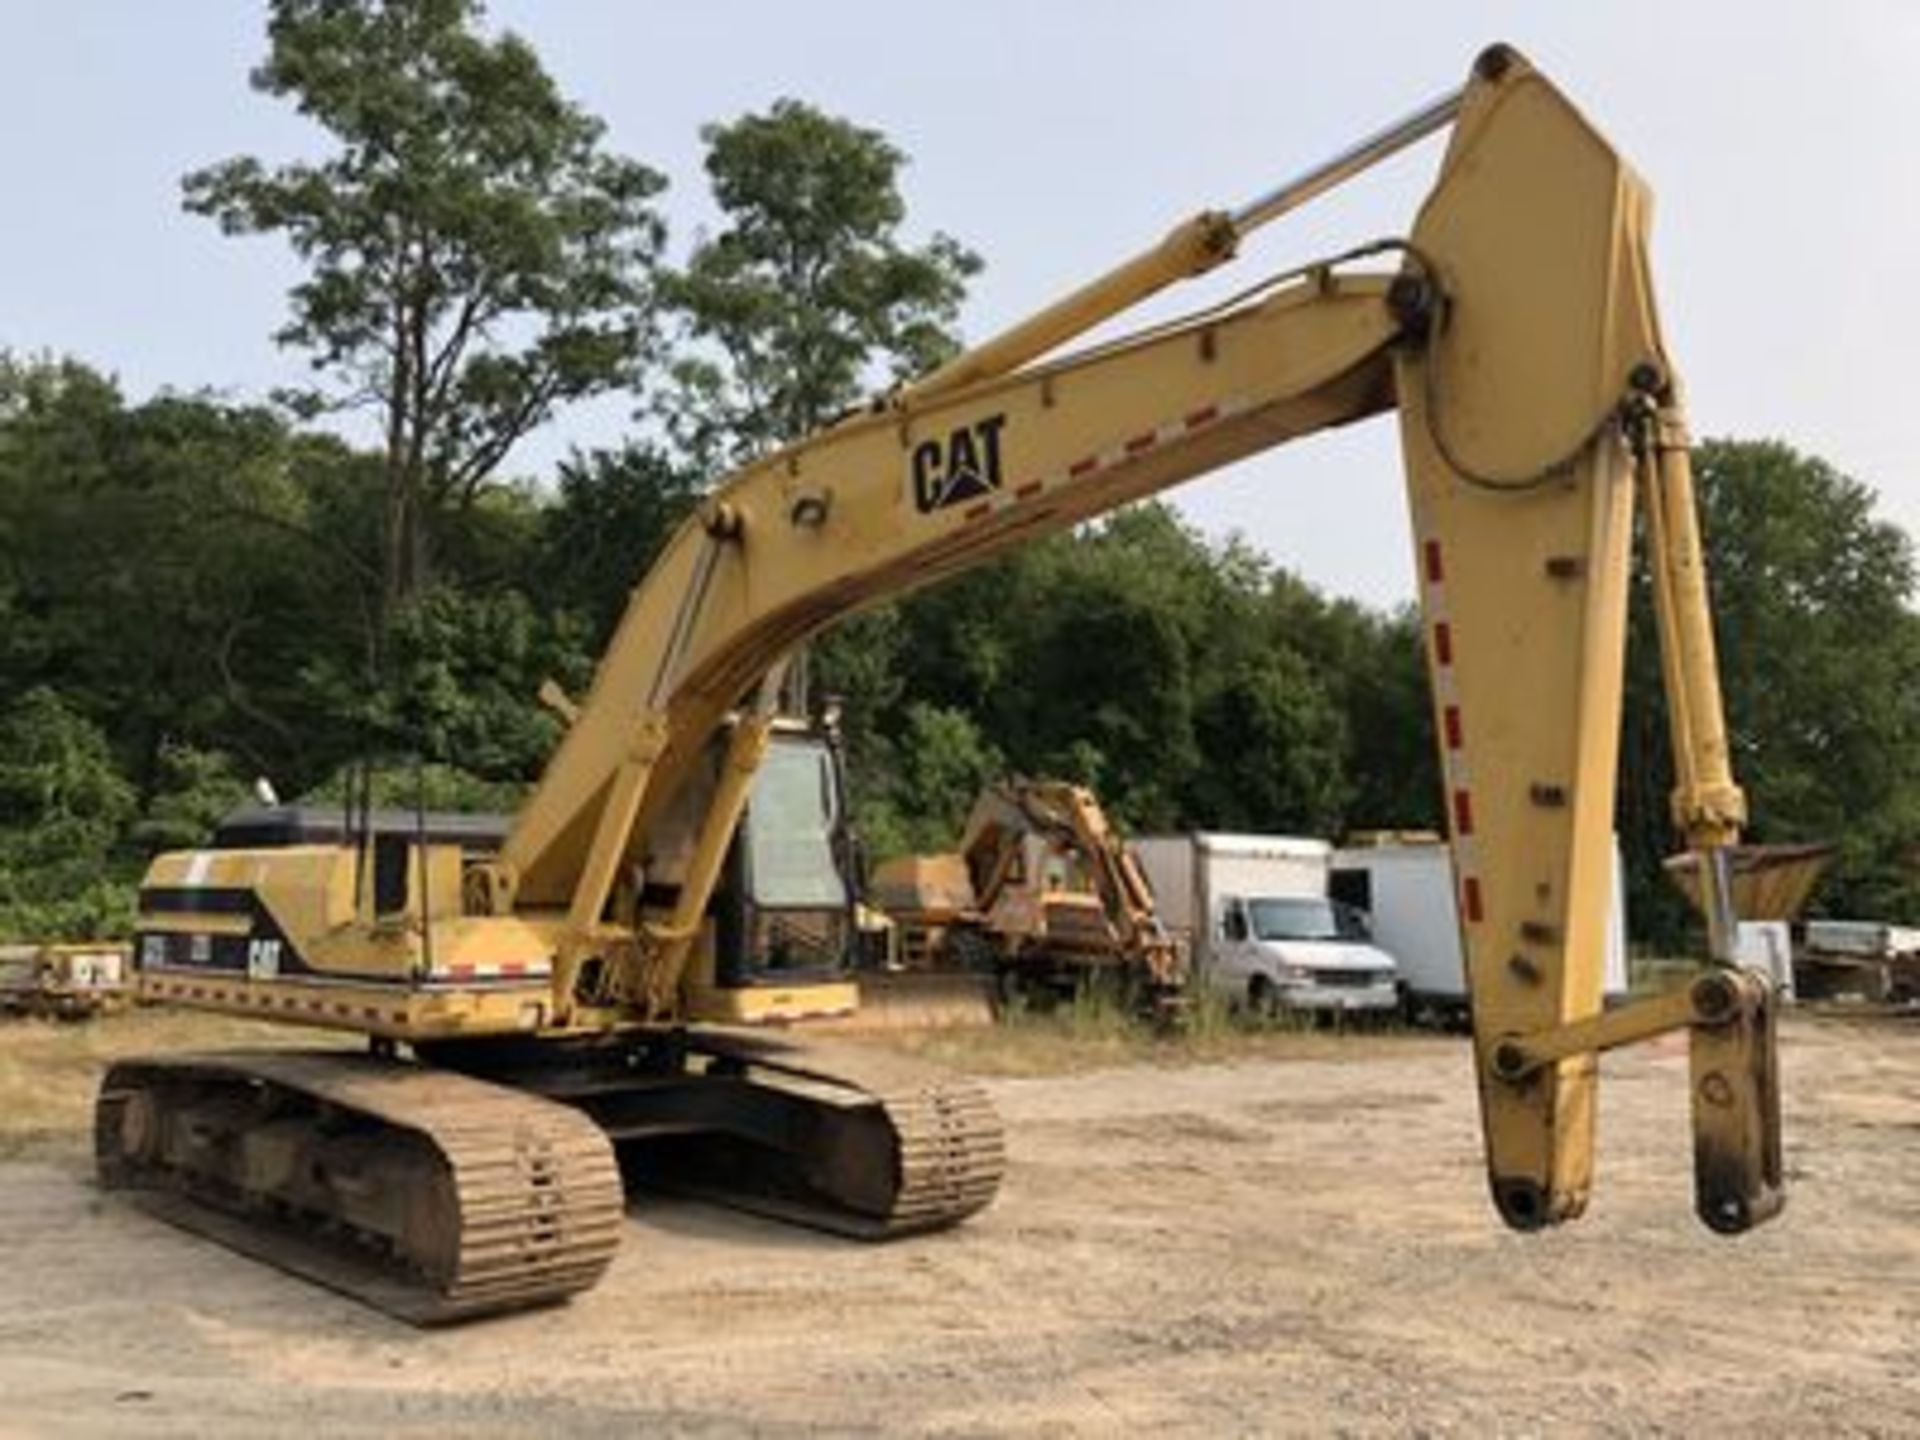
(964,466)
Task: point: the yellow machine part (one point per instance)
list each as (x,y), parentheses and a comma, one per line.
(1770,882)
(933,889)
(1517,425)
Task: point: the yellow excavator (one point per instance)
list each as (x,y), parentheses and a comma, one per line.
(1041,895)
(609,972)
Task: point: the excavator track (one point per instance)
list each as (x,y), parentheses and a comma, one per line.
(432,1196)
(840,1137)
(947,1146)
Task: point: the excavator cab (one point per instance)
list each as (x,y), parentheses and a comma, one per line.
(780,944)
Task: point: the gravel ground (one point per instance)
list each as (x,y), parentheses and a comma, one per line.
(1272,1245)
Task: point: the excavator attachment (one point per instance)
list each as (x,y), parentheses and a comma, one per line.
(923,1000)
(1770,882)
(1729,1015)
(1536,398)
(900,986)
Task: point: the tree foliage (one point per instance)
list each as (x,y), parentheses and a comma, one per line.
(614,512)
(475,257)
(62,808)
(161,566)
(1193,686)
(788,308)
(1820,662)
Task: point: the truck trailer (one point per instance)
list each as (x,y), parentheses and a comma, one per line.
(1405,889)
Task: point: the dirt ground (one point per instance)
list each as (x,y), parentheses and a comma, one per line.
(1296,1241)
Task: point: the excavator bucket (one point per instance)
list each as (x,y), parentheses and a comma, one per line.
(923,1000)
(897,990)
(1770,882)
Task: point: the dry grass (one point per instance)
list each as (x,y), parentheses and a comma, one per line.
(1096,1032)
(49,1069)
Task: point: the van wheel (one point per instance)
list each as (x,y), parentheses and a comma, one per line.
(1262,1000)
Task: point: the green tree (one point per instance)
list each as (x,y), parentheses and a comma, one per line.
(1192,686)
(914,792)
(429,785)
(1820,662)
(166,569)
(1371,671)
(475,257)
(461,685)
(613,514)
(803,299)
(786,311)
(63,805)
(1274,743)
(196,790)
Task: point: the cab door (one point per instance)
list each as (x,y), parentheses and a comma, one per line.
(1234,953)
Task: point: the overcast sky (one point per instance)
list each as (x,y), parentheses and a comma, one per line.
(1055,139)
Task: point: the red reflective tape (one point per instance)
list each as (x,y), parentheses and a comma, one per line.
(1433,562)
(460,972)
(1443,643)
(1141,442)
(1451,718)
(1031,488)
(1462,813)
(1201,417)
(1082,467)
(977,512)
(1471,886)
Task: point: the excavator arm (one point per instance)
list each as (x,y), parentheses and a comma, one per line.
(1517,338)
(1069,815)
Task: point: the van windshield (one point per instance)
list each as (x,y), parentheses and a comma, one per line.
(1304,918)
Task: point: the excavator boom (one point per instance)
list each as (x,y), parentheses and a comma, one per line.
(1519,341)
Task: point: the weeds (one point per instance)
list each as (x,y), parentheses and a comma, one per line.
(50,1069)
(1099,1028)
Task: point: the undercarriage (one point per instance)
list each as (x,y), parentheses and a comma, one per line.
(437,1195)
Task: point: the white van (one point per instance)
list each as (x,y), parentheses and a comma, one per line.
(1259,924)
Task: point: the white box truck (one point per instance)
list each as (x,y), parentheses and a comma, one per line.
(1259,925)
(1405,889)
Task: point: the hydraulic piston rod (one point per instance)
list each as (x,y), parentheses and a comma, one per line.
(1362,155)
(1191,248)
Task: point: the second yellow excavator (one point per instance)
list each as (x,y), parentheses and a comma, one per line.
(606,974)
(1042,896)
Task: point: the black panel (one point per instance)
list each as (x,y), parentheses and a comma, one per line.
(391,854)
(280,825)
